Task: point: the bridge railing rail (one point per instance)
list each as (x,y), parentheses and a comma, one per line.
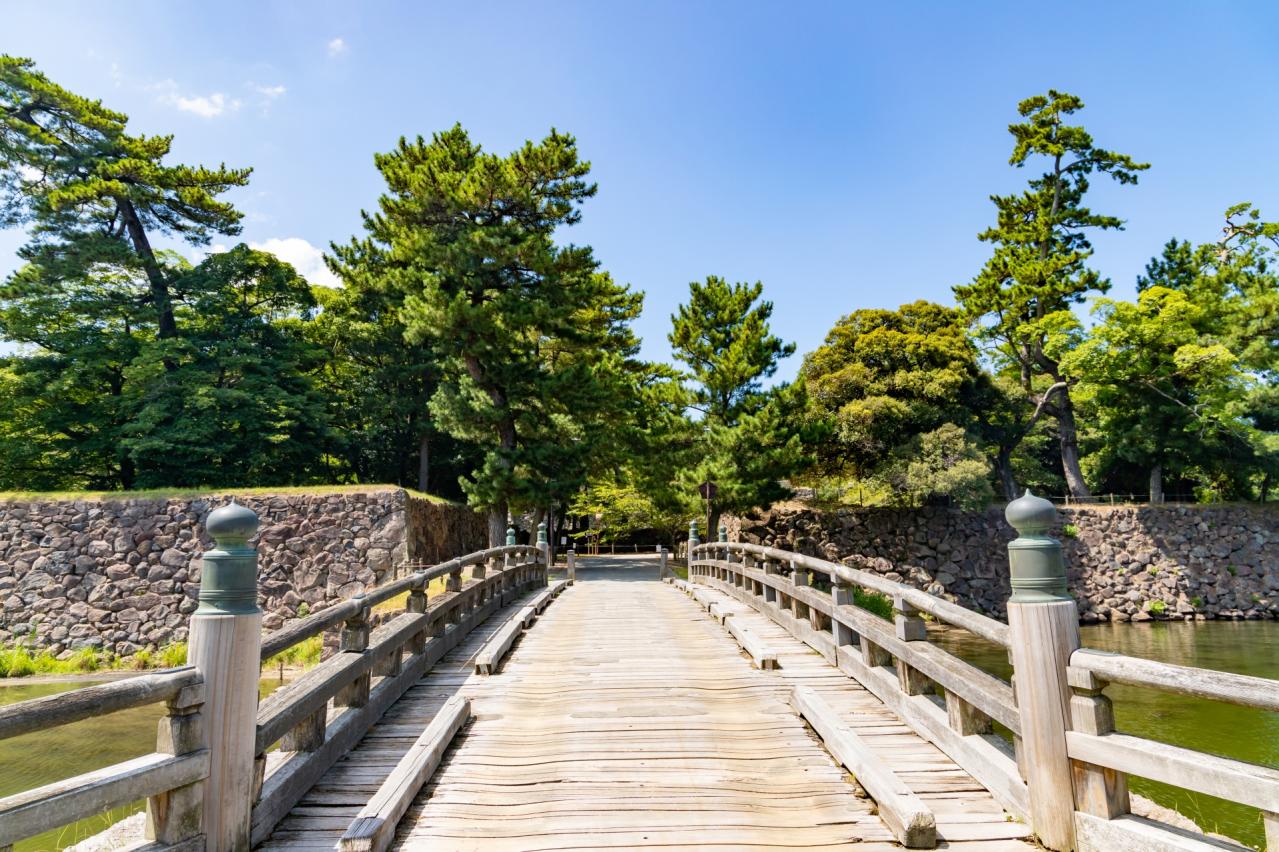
(171,778)
(1067,771)
(227,767)
(948,700)
(306,726)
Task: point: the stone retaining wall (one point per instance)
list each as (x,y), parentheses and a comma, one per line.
(123,575)
(1124,563)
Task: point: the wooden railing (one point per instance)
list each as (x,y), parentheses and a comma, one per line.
(227,767)
(945,699)
(315,719)
(171,778)
(956,706)
(1102,759)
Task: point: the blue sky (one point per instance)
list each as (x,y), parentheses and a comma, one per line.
(842,153)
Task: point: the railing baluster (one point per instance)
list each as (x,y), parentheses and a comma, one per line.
(354,639)
(841,594)
(1099,791)
(177,815)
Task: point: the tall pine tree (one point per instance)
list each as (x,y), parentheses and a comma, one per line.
(1022,299)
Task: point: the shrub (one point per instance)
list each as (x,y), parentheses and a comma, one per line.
(1070,531)
(174,655)
(1157,607)
(1197,602)
(873,602)
(1234,572)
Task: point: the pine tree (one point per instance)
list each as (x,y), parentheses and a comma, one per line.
(747,439)
(534,339)
(92,194)
(1022,298)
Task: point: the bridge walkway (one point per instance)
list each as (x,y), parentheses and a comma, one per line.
(628,719)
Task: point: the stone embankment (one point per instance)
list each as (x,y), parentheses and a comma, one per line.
(1126,563)
(123,575)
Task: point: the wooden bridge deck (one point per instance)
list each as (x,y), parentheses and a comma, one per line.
(627,718)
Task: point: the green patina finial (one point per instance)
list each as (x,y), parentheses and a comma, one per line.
(510,536)
(541,533)
(1036,568)
(723,533)
(229,576)
(693,540)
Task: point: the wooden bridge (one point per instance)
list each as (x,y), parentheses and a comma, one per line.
(613,705)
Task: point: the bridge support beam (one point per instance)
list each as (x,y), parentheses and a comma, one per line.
(1044,631)
(225,645)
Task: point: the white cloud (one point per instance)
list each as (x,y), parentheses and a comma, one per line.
(268,92)
(305,258)
(337,47)
(205,106)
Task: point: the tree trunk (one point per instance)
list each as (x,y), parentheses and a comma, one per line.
(712,523)
(1069,436)
(497,525)
(1157,483)
(424,464)
(1265,486)
(129,473)
(1004,468)
(166,325)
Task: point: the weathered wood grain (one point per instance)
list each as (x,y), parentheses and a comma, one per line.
(94,701)
(374,827)
(910,820)
(1229,687)
(32,812)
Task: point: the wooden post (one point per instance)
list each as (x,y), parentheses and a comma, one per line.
(1099,791)
(1044,630)
(909,627)
(692,543)
(841,594)
(225,645)
(664,570)
(175,816)
(571,560)
(546,551)
(354,639)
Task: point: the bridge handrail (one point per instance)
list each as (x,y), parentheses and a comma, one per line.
(170,778)
(52,711)
(304,628)
(398,653)
(941,609)
(1243,690)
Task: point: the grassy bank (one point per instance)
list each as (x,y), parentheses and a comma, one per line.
(190,493)
(20,661)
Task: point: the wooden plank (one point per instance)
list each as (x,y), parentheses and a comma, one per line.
(1131,833)
(33,812)
(910,820)
(1233,780)
(490,656)
(374,828)
(1229,687)
(762,656)
(94,701)
(986,757)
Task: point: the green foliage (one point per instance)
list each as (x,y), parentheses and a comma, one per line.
(722,336)
(1070,531)
(533,339)
(302,655)
(1156,607)
(1021,300)
(943,466)
(746,439)
(875,602)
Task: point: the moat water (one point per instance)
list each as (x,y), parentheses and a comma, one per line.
(1250,647)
